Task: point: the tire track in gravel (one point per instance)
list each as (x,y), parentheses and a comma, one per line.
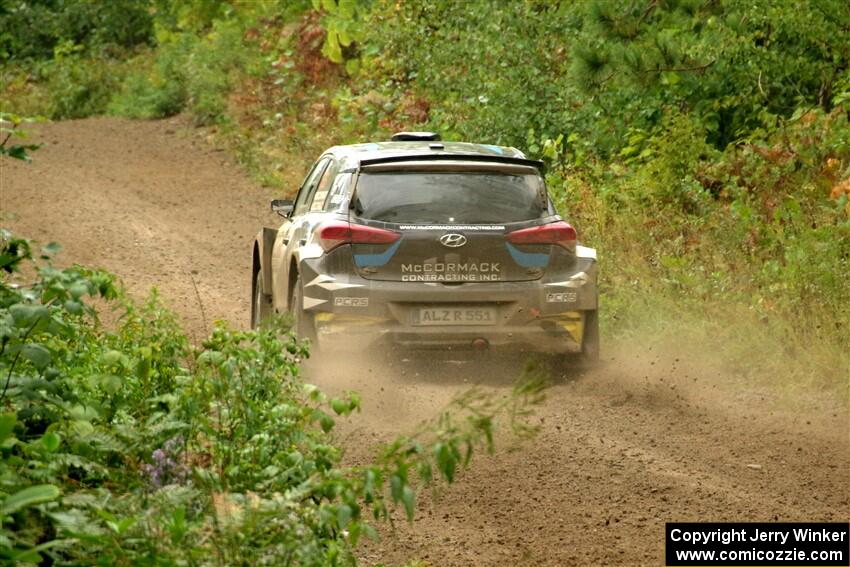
(640,442)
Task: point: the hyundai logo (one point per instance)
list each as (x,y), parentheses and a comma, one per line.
(453,240)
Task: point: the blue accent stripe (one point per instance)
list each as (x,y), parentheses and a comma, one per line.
(367,260)
(527,259)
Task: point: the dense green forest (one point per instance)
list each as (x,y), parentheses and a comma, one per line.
(703,146)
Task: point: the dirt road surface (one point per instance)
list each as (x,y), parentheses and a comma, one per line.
(643,441)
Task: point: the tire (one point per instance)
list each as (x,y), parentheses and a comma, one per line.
(302,322)
(261,307)
(589,356)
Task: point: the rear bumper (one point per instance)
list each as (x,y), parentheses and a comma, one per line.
(545,315)
(561,334)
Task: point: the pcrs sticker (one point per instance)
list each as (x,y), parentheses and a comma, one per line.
(351,301)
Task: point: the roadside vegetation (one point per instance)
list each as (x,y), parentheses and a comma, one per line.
(702,147)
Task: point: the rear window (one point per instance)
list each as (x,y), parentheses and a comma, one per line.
(449,197)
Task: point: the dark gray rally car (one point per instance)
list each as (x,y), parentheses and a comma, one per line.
(425,243)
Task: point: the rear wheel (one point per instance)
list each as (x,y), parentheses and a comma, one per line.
(589,356)
(302,321)
(261,307)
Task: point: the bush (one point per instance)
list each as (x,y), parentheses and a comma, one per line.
(186,72)
(155,86)
(79,86)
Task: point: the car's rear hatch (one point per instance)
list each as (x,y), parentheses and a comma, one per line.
(452,218)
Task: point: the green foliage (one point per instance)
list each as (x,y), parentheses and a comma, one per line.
(192,16)
(157,88)
(187,71)
(52,433)
(36,29)
(69,86)
(128,445)
(343,23)
(670,157)
(79,86)
(201,47)
(493,66)
(10,131)
(727,63)
(597,69)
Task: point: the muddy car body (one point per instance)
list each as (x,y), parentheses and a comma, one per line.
(428,244)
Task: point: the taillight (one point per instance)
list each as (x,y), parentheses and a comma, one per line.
(559,233)
(335,233)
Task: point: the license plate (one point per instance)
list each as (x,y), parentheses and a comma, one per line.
(454,316)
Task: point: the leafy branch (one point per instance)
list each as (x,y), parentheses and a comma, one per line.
(9,128)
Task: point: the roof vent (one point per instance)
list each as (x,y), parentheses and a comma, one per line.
(415,137)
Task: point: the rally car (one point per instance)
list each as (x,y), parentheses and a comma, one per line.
(423,243)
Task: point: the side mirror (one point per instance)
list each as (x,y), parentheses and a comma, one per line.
(283,207)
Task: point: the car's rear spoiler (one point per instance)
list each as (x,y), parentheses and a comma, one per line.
(458,157)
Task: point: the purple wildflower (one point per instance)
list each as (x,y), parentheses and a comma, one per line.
(168,464)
